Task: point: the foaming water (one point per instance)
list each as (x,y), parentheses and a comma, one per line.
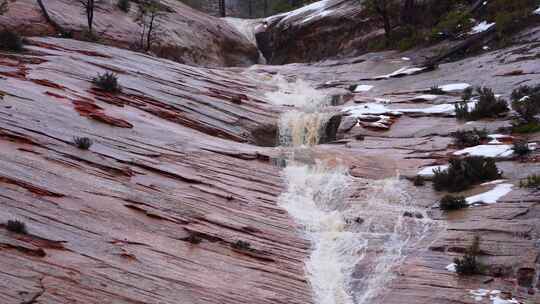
(317,198)
(359,243)
(304,125)
(297,93)
(313,199)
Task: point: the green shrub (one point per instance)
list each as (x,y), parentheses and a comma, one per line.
(531,127)
(469,264)
(510,16)
(193,239)
(10,41)
(452,24)
(242,245)
(419,181)
(532,181)
(521,148)
(83,143)
(487,106)
(16,226)
(124,5)
(526,103)
(450,202)
(463,139)
(464,173)
(108,82)
(435,90)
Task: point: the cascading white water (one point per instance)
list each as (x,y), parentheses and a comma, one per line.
(317,197)
(300,128)
(313,199)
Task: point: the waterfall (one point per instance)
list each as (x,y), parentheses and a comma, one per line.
(343,231)
(300,128)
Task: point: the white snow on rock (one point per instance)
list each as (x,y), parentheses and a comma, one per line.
(537,11)
(494,296)
(430,171)
(426,97)
(406,58)
(451,267)
(401,72)
(378,108)
(492,196)
(495,138)
(481,27)
(487,151)
(363,88)
(315,8)
(454,87)
(495,182)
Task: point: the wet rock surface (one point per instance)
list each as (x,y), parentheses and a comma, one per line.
(175,200)
(182,33)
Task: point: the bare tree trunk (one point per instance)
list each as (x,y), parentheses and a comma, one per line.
(48,18)
(149,33)
(408,11)
(265,8)
(222,9)
(250,6)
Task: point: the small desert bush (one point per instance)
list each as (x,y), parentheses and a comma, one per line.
(108,82)
(454,23)
(526,103)
(83,143)
(469,264)
(487,106)
(532,181)
(436,90)
(510,16)
(419,181)
(10,41)
(450,202)
(242,245)
(194,239)
(124,5)
(464,138)
(464,173)
(521,148)
(16,226)
(531,127)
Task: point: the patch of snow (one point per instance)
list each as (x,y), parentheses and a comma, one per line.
(481,27)
(494,296)
(363,88)
(537,11)
(485,48)
(369,108)
(532,146)
(492,195)
(314,8)
(426,97)
(430,171)
(498,136)
(378,108)
(454,87)
(487,151)
(406,58)
(524,98)
(402,71)
(498,300)
(451,267)
(495,182)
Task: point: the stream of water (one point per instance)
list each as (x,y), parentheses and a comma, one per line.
(344,232)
